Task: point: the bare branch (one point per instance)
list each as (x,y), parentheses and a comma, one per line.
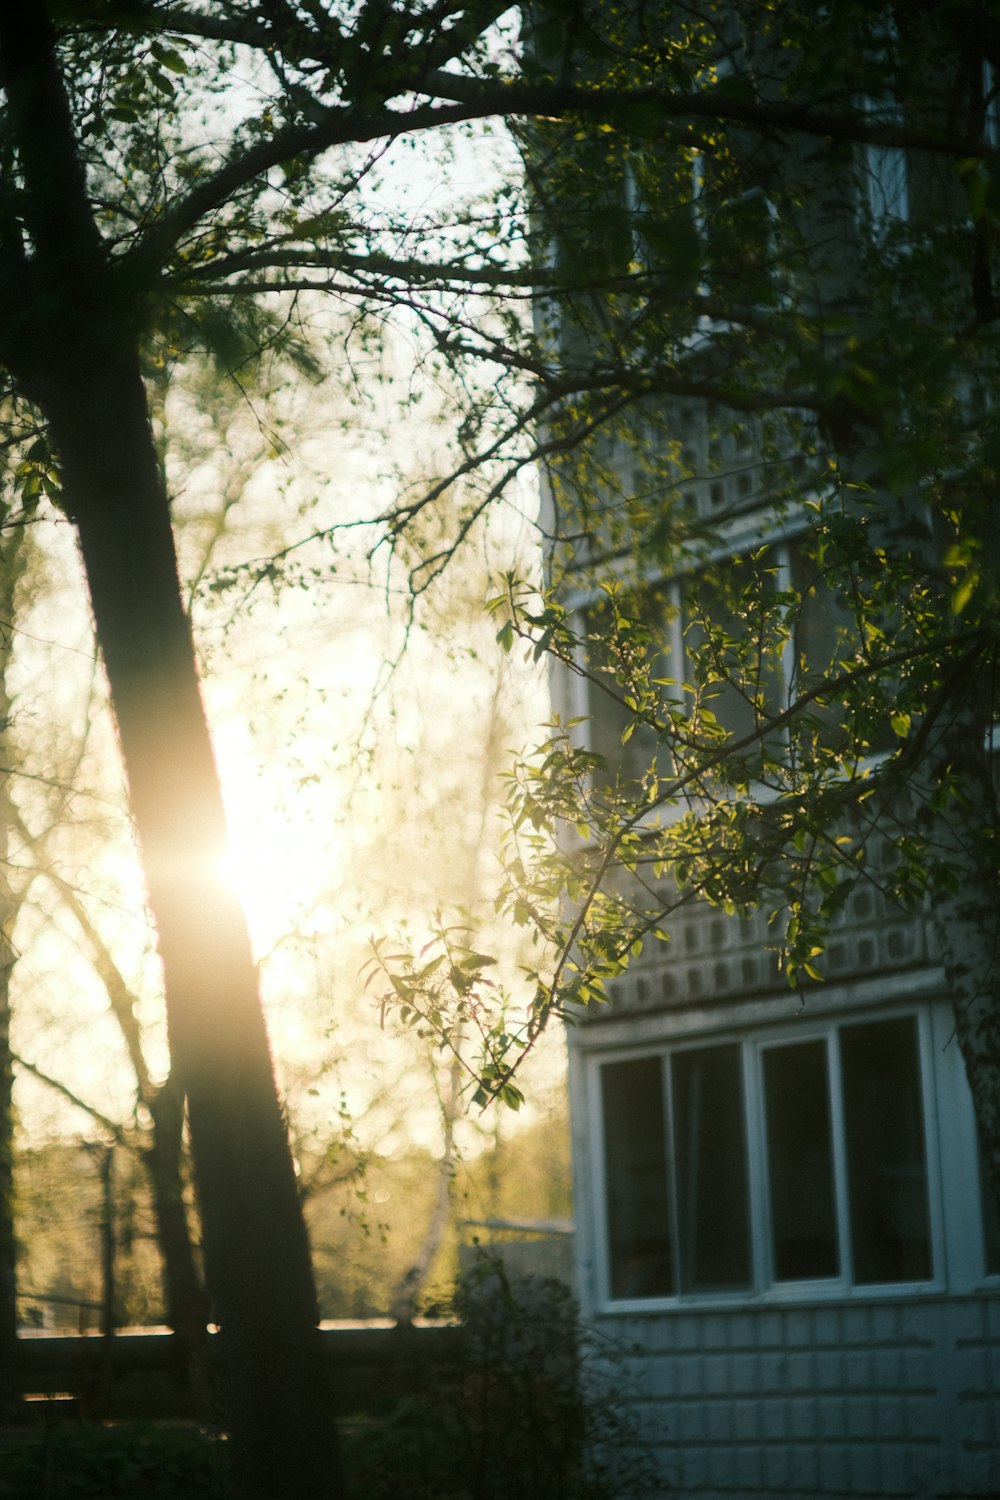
(67,1093)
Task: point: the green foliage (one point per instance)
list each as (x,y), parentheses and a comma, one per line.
(771,507)
(445,993)
(115,1463)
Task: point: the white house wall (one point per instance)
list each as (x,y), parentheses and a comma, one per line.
(802,1390)
(879,1398)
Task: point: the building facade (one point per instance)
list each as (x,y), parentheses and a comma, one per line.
(783,1223)
(780,1215)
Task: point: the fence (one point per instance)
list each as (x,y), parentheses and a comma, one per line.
(136,1372)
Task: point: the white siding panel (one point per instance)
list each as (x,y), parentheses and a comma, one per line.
(894,1399)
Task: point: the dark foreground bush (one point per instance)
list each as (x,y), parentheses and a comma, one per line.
(534,1410)
(70,1461)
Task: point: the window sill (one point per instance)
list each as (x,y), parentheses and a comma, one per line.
(801,1294)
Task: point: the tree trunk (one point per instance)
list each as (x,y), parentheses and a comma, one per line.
(406,1297)
(964,828)
(74,351)
(944,789)
(257,1262)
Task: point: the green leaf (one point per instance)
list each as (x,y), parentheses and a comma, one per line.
(476,961)
(964,592)
(169,58)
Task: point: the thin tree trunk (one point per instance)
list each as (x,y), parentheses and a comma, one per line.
(80,364)
(183,1292)
(964,829)
(944,790)
(406,1298)
(11,567)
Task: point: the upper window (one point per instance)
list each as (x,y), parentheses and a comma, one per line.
(887,187)
(745,1165)
(885,168)
(736,222)
(741,641)
(886,171)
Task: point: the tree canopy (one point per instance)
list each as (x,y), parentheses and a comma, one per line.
(775,559)
(769,340)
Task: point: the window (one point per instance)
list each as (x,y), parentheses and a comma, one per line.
(636,1168)
(711,1170)
(799,1139)
(749,636)
(886,1166)
(736,221)
(886,171)
(885,168)
(750,1165)
(887,186)
(647,653)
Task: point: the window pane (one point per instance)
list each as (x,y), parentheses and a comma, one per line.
(827,639)
(800,1162)
(630,664)
(886,1164)
(991,1221)
(712,1210)
(888,186)
(733,635)
(635,1157)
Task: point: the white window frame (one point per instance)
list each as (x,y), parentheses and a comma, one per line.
(954,1211)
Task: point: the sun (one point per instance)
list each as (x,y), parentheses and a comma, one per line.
(278,858)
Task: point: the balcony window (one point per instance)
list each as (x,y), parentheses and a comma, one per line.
(802,1197)
(711,1170)
(761,1164)
(641,1249)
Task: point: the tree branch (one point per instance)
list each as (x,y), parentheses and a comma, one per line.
(67,1093)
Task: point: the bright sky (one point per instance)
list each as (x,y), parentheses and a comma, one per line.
(347,819)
